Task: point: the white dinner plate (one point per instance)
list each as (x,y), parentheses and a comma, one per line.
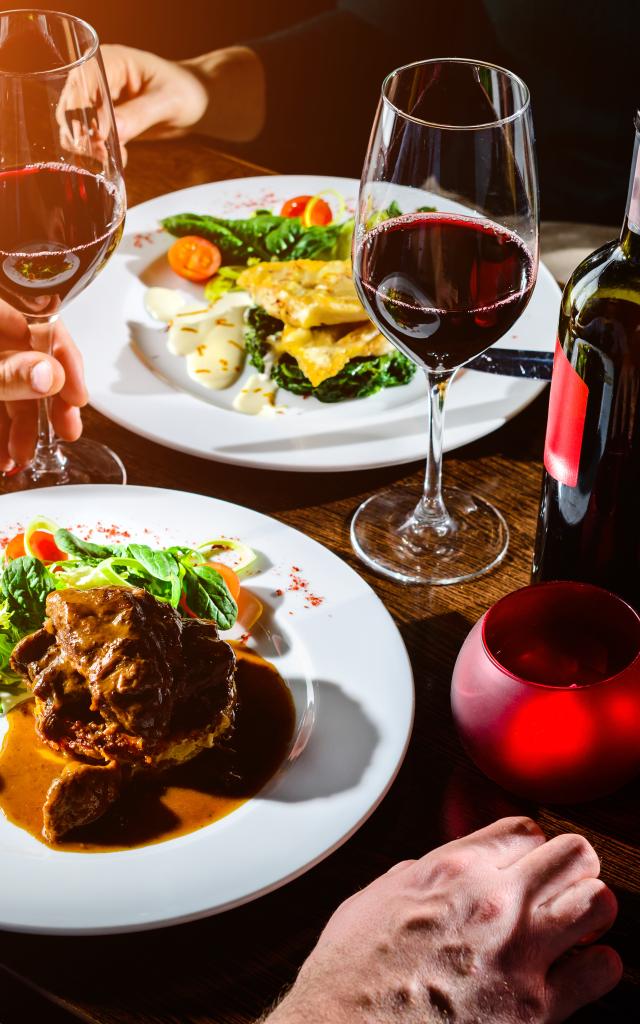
(136,382)
(343,658)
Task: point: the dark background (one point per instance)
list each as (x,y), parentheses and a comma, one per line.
(183,28)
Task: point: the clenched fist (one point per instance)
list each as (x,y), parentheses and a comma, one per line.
(485,930)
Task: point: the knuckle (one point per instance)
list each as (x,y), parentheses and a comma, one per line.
(580,850)
(521,825)
(422,921)
(452,865)
(487,908)
(602,898)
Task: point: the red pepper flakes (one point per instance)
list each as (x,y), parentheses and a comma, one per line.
(245,638)
(278,593)
(297,583)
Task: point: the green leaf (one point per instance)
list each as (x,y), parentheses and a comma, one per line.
(283,237)
(226,280)
(362,376)
(208,597)
(160,564)
(77,548)
(25,584)
(263,236)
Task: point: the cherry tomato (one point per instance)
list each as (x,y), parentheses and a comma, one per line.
(295,207)
(45,548)
(194,258)
(15,547)
(229,577)
(41,543)
(319,212)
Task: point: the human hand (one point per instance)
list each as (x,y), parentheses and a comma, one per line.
(27,374)
(158,98)
(481,930)
(222,93)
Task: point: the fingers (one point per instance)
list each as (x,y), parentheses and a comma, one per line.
(6,462)
(66,419)
(581,978)
(585,910)
(29,375)
(556,865)
(140,115)
(19,429)
(23,430)
(14,329)
(505,841)
(64,349)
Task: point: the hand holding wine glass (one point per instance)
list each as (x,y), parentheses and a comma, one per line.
(27,375)
(445,260)
(62,203)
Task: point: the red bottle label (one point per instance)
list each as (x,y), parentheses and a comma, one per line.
(565,426)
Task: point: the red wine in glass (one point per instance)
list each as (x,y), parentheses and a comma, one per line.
(442,286)
(59,225)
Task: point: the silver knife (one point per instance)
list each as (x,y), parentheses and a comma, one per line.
(514,362)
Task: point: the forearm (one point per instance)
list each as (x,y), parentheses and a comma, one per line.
(235,83)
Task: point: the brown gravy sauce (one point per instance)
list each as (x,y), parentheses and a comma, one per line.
(179,801)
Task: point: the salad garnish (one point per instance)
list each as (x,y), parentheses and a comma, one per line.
(201,582)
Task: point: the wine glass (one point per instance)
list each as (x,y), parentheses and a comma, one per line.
(546,692)
(445,260)
(62,202)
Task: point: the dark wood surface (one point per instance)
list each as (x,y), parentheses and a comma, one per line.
(229,968)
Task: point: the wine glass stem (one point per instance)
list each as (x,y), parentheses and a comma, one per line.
(431,510)
(48,459)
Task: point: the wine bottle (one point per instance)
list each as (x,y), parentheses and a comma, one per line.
(589,519)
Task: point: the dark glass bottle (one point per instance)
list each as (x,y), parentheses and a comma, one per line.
(589,519)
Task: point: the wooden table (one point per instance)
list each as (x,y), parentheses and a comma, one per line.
(231,967)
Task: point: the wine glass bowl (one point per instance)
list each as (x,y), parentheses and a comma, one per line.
(546,692)
(62,201)
(445,261)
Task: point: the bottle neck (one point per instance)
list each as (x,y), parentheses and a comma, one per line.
(630,237)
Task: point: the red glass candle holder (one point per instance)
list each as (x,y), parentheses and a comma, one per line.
(546,692)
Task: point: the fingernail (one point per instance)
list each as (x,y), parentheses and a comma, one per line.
(8,466)
(42,377)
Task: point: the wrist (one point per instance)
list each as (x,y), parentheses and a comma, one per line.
(235,83)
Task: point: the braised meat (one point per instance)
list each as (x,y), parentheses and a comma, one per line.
(80,794)
(121,680)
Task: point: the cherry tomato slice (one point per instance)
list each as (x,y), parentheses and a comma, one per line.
(295,207)
(229,577)
(319,212)
(15,547)
(45,548)
(195,259)
(41,543)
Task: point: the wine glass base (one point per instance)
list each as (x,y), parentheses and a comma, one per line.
(81,462)
(385,535)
